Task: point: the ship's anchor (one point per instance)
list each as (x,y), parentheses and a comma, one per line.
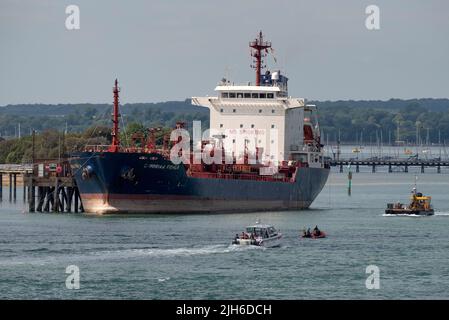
(87,172)
(128,174)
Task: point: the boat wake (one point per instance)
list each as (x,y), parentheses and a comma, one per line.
(441,213)
(403,215)
(123,254)
(173,252)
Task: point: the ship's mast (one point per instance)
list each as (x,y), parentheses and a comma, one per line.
(115,115)
(259,50)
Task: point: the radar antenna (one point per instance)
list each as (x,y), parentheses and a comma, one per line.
(259,50)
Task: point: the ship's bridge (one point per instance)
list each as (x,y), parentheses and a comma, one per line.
(272,85)
(247,92)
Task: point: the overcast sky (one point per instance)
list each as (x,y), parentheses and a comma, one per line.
(174,49)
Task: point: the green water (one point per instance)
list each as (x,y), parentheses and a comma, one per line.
(190,256)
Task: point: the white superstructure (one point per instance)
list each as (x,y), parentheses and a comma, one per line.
(262,118)
(267,109)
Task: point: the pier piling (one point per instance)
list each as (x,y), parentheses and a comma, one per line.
(56,206)
(76,201)
(58,195)
(10,187)
(24,192)
(69,199)
(41,198)
(44,190)
(14,187)
(31,199)
(63,200)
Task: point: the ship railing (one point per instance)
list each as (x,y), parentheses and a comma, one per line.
(97,148)
(105,148)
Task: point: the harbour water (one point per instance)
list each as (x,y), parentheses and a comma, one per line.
(190,256)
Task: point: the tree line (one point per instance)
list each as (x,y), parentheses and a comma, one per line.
(411,124)
(67,128)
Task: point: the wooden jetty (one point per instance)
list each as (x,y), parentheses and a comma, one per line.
(390,163)
(48,186)
(13,172)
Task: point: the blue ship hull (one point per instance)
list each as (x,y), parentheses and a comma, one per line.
(148,183)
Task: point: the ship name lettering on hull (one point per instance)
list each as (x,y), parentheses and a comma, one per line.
(160,166)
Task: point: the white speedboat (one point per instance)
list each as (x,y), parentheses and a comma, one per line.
(263,235)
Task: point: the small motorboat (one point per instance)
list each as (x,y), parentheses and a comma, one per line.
(319,236)
(419,206)
(314,235)
(262,235)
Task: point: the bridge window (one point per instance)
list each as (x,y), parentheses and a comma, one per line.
(263,95)
(233,110)
(254,95)
(225,95)
(231,94)
(221,110)
(272,111)
(260,110)
(239,95)
(270,95)
(247,95)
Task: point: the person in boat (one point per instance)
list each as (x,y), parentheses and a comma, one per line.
(308,234)
(316,231)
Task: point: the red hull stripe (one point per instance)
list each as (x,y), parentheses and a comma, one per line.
(116,196)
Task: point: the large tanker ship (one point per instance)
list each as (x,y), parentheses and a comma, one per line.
(262,152)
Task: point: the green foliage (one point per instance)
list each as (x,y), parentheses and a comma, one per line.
(49,144)
(353,123)
(79,117)
(90,124)
(131,128)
